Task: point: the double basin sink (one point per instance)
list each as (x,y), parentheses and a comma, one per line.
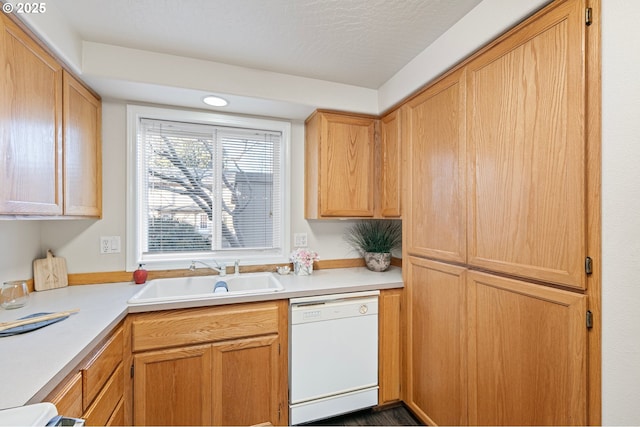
(179,289)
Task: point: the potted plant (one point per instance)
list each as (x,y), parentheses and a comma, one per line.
(375,240)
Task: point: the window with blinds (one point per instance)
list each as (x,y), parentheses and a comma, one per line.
(207,190)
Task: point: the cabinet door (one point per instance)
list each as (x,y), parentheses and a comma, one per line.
(346,166)
(173,387)
(390,168)
(527,353)
(435,178)
(248,382)
(82,150)
(389,349)
(30,136)
(436,342)
(526,133)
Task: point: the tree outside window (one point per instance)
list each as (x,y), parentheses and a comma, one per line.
(198,174)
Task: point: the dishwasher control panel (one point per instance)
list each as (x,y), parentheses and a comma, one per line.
(337,307)
(310,314)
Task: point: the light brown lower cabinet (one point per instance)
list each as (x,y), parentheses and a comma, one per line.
(223,365)
(117,417)
(489,350)
(246,382)
(390,346)
(68,397)
(95,390)
(527,353)
(173,386)
(436,350)
(105,404)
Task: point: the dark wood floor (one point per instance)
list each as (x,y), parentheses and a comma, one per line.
(396,416)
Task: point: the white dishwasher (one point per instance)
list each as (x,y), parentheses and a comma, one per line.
(333,359)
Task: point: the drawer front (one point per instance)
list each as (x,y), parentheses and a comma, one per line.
(100,367)
(117,418)
(101,410)
(68,400)
(180,327)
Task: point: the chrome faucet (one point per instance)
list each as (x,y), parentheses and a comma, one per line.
(236,267)
(220,268)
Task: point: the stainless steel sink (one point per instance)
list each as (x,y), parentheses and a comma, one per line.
(178,289)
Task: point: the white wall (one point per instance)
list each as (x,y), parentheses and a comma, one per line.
(19,246)
(123,64)
(620,213)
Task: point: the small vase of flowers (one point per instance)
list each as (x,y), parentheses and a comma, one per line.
(303,260)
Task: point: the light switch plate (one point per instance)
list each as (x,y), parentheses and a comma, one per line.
(115,244)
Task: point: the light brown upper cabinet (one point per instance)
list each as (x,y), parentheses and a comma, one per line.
(526,110)
(390,165)
(339,165)
(31,132)
(82,113)
(435,173)
(50,137)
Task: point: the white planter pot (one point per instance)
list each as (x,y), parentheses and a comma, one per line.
(377,261)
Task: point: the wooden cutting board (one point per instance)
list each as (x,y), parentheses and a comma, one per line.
(50,273)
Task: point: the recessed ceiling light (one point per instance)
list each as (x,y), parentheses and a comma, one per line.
(215,101)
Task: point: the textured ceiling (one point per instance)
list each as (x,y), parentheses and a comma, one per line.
(356,42)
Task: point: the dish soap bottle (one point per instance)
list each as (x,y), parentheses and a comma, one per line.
(140,275)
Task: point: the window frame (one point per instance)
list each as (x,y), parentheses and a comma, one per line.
(134,233)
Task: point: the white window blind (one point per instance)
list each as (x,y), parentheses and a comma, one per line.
(208,189)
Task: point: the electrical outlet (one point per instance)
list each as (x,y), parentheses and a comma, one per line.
(300,240)
(110,245)
(105,245)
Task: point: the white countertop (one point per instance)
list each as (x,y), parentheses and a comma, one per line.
(32,364)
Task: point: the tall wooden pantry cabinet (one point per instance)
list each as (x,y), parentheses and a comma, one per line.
(502,229)
(435,218)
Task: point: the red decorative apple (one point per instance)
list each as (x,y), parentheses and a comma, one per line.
(140,275)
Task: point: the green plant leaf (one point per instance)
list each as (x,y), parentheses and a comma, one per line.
(374,235)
